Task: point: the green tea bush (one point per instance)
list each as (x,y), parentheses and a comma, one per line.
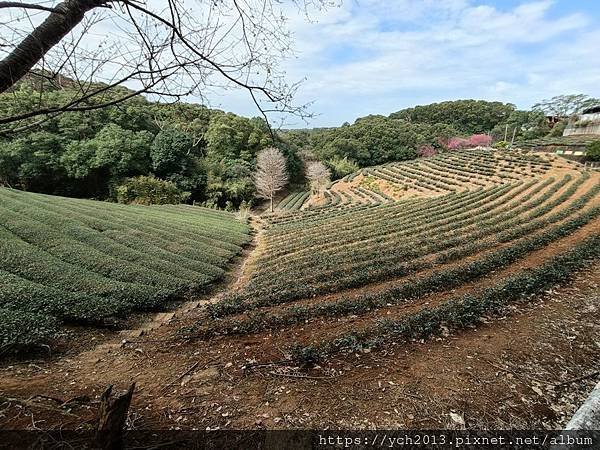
(85,262)
(21,330)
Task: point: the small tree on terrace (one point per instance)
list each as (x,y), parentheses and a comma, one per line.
(318,175)
(271,174)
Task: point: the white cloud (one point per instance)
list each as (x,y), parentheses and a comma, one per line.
(395,54)
(377,56)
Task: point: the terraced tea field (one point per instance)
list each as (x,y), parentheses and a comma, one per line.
(448,296)
(86,262)
(358,266)
(579,142)
(438,175)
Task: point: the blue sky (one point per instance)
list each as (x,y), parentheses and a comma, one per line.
(379,56)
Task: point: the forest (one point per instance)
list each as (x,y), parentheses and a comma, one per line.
(191,153)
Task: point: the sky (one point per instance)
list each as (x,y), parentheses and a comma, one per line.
(366,57)
(379,56)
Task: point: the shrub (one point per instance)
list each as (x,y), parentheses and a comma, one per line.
(480,140)
(593,151)
(340,167)
(501,145)
(144,190)
(558,129)
(583,123)
(24,329)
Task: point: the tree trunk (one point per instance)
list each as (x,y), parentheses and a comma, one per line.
(33,48)
(111,418)
(272,202)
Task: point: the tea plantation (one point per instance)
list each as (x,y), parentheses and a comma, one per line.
(81,261)
(347,276)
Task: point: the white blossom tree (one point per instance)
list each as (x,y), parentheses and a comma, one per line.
(318,175)
(271,174)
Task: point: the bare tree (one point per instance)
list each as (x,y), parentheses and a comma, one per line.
(566,105)
(167,49)
(318,175)
(271,173)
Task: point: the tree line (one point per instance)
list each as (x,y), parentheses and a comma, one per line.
(143,151)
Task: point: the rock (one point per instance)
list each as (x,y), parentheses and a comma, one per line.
(458,419)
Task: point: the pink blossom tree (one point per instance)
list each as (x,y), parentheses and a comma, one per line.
(480,140)
(457,143)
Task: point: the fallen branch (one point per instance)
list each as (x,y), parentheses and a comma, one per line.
(305,377)
(187,372)
(262,365)
(581,378)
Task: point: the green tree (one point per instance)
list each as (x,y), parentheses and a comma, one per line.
(593,151)
(340,167)
(171,151)
(528,125)
(32,161)
(466,116)
(145,190)
(97,164)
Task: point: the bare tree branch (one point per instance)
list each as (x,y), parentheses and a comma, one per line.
(29,6)
(318,175)
(173,52)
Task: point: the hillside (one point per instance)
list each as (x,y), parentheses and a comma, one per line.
(485,219)
(88,262)
(427,177)
(427,298)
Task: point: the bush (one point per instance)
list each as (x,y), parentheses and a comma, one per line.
(425,151)
(501,145)
(457,143)
(558,129)
(593,151)
(144,190)
(340,167)
(20,329)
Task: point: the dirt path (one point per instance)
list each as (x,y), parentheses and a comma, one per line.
(103,346)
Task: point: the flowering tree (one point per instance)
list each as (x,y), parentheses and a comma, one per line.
(426,151)
(271,174)
(318,175)
(480,140)
(458,143)
(477,140)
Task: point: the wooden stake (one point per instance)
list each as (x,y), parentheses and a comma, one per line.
(111,418)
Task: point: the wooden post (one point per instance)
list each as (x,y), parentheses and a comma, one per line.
(513,138)
(111,418)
